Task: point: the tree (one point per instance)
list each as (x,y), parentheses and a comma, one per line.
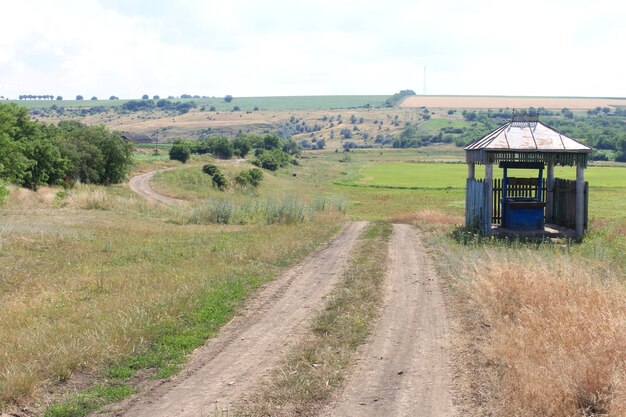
(621,150)
(145,97)
(250,177)
(221,148)
(180,151)
(79,97)
(272,160)
(59,98)
(155,97)
(228,98)
(346,133)
(241,146)
(113,98)
(96,155)
(94,98)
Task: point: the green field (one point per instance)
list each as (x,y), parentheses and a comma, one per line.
(438,175)
(434,125)
(245,103)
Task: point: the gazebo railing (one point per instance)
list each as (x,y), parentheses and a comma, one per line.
(564,205)
(514,189)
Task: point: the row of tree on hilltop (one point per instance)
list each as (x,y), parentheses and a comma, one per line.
(228,98)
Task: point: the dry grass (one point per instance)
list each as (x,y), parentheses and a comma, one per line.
(101,277)
(548,321)
(560,335)
(485,102)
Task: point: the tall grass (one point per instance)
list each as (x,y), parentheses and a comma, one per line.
(546,324)
(271,211)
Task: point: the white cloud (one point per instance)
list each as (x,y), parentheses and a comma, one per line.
(217,47)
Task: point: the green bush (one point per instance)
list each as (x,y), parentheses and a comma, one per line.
(210,169)
(251,177)
(219,147)
(219,181)
(272,160)
(180,152)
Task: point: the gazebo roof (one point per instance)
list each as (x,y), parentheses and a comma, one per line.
(525,138)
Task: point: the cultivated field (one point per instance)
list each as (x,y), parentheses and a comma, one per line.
(496,102)
(245,103)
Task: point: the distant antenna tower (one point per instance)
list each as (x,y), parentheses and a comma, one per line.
(424,89)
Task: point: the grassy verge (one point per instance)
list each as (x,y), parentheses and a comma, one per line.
(317,366)
(544,325)
(121,290)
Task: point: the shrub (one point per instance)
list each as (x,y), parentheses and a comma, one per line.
(219,181)
(251,177)
(272,160)
(221,148)
(180,152)
(210,169)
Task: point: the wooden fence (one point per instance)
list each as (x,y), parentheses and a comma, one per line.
(564,208)
(475,203)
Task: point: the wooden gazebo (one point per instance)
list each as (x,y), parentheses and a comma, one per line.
(524,203)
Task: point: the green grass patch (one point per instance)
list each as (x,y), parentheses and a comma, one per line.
(438,175)
(89,400)
(436,124)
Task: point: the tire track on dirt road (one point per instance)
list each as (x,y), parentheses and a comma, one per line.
(404,369)
(246,349)
(141,185)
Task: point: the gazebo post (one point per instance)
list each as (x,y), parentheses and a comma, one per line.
(580,200)
(550,192)
(471,171)
(471,176)
(488,197)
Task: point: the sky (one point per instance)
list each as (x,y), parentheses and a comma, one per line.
(128,48)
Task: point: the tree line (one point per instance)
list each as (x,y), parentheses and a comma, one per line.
(270,151)
(33,154)
(36,97)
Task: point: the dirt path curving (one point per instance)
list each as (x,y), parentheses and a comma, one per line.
(141,185)
(404,370)
(229,365)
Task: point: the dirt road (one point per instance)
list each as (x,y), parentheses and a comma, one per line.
(141,185)
(404,370)
(247,348)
